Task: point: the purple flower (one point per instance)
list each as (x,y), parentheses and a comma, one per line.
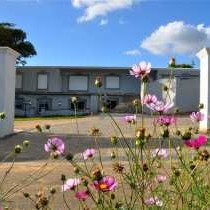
(130,119)
(160,106)
(153,201)
(196,116)
(165,120)
(106,184)
(88,153)
(149,99)
(141,69)
(82,195)
(55,144)
(70,184)
(196,143)
(160,153)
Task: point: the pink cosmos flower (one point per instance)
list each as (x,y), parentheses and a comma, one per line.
(197,116)
(196,143)
(154,201)
(106,184)
(165,120)
(161,153)
(82,195)
(160,106)
(55,144)
(149,99)
(70,184)
(161,178)
(141,69)
(130,119)
(88,153)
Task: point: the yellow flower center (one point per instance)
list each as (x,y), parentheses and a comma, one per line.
(103,186)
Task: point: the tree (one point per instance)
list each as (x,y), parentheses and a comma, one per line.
(15,38)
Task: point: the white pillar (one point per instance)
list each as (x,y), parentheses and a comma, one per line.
(7,88)
(204,56)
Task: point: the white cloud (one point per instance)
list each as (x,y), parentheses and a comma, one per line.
(103,22)
(177,38)
(83,3)
(95,8)
(134,52)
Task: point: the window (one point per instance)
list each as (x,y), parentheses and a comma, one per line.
(112,103)
(19,103)
(42,81)
(44,104)
(113,82)
(78,83)
(43,107)
(18,83)
(80,105)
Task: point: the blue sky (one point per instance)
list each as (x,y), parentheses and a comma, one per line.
(111,32)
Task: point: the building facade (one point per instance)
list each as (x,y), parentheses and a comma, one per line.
(43,91)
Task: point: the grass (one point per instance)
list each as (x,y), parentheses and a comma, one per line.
(56,117)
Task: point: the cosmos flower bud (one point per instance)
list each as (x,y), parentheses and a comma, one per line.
(179,149)
(136,102)
(84,181)
(63,177)
(204,155)
(94,131)
(165,133)
(38,127)
(74,100)
(114,140)
(18,149)
(76,170)
(192,166)
(172,62)
(2,115)
(145,167)
(187,135)
(47,127)
(104,109)
(113,155)
(177,172)
(97,174)
(112,196)
(165,88)
(44,201)
(178,132)
(145,79)
(69,157)
(52,190)
(118,205)
(26,143)
(140,133)
(201,106)
(54,155)
(176,110)
(138,142)
(26,195)
(98,82)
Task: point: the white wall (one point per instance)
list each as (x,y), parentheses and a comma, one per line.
(7,88)
(204,56)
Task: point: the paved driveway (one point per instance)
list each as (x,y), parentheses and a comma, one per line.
(67,129)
